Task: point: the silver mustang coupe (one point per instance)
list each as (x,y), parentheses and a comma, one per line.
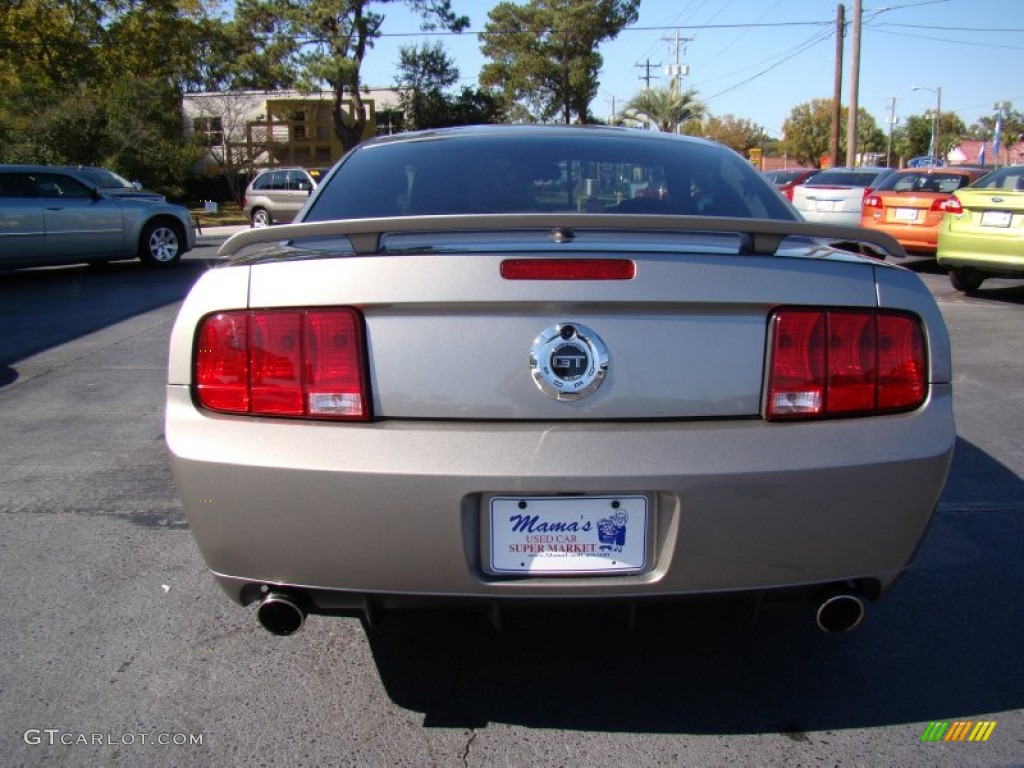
(501,365)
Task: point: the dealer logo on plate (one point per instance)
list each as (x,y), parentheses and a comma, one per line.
(568,361)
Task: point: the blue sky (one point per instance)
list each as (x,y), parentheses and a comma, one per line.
(742,62)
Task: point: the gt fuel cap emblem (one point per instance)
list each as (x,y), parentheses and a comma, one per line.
(568,361)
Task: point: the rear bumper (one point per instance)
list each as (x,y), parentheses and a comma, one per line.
(845,218)
(397,508)
(998,256)
(913,238)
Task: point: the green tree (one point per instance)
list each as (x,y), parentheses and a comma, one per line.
(914,137)
(322,44)
(984,127)
(93,82)
(544,57)
(424,73)
(808,131)
(664,109)
(737,133)
(425,76)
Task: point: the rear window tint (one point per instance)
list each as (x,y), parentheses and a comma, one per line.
(843,179)
(924,182)
(543,173)
(1011,177)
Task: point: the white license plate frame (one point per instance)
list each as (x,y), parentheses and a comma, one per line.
(567,535)
(825,206)
(905,215)
(996,218)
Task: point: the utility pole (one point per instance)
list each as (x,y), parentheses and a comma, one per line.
(837,90)
(851,119)
(678,71)
(647,76)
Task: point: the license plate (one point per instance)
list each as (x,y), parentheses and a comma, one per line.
(825,205)
(905,214)
(996,218)
(568,534)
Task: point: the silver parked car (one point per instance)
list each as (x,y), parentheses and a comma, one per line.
(51,215)
(276,195)
(492,365)
(112,183)
(836,195)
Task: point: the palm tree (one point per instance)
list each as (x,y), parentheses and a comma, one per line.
(664,108)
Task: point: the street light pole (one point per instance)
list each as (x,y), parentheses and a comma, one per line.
(937,90)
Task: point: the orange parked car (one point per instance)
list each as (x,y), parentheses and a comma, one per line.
(910,204)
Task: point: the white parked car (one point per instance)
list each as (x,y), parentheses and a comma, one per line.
(836,196)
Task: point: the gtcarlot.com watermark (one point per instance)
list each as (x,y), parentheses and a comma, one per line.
(53,737)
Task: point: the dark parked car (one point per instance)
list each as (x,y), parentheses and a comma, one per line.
(785,179)
(52,215)
(488,366)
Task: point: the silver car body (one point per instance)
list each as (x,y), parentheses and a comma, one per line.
(836,195)
(52,216)
(276,195)
(113,183)
(434,496)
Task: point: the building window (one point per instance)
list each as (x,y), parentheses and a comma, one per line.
(208,131)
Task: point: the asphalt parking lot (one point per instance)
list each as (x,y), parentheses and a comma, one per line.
(118,648)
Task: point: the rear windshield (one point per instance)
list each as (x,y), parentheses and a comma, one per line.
(544,174)
(783,177)
(1010,177)
(844,179)
(924,182)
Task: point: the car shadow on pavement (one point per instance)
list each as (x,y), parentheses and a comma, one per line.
(944,644)
(45,307)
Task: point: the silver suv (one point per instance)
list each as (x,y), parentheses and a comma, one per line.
(277,194)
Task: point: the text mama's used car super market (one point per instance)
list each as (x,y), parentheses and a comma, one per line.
(477,339)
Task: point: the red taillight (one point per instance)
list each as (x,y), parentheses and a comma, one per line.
(951,205)
(872,201)
(568,269)
(299,363)
(844,362)
(867,192)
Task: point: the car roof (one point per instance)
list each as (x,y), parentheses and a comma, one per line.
(34,168)
(927,171)
(859,169)
(535,130)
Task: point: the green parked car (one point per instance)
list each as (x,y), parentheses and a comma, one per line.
(982,234)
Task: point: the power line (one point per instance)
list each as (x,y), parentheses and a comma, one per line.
(814,40)
(947,40)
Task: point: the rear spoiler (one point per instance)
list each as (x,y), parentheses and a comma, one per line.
(763,236)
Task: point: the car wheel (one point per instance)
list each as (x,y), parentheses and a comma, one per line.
(260,218)
(161,244)
(965,279)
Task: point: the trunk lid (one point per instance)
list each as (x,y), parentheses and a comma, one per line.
(449,338)
(996,212)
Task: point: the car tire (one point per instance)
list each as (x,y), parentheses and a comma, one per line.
(260,218)
(965,279)
(161,244)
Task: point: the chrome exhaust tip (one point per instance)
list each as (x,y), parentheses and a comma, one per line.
(280,614)
(839,613)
